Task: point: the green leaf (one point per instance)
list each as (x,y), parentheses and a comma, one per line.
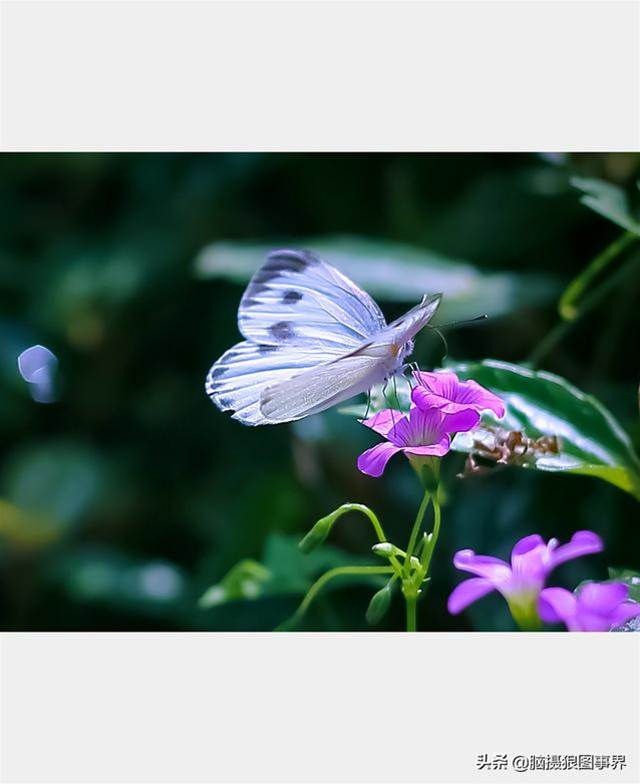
(248,579)
(55,483)
(631,578)
(608,200)
(394,272)
(539,404)
(283,570)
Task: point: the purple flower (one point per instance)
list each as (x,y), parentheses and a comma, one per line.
(595,607)
(443,390)
(418,434)
(521,581)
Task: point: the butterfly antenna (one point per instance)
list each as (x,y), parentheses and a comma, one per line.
(464,323)
(443,339)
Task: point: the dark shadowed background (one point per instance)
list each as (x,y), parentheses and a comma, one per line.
(123,502)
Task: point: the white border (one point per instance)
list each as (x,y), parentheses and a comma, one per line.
(194,708)
(318,75)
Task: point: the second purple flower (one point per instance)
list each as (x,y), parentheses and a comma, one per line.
(418,434)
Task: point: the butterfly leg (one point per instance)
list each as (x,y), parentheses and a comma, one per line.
(395,391)
(366,413)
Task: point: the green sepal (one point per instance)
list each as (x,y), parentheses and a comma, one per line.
(379,604)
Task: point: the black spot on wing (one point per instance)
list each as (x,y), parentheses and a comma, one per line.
(277,262)
(281,330)
(217,371)
(291,297)
(263,349)
(290,260)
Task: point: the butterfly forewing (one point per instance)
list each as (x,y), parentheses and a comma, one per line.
(407,326)
(295,298)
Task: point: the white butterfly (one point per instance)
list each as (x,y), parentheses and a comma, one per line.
(313,339)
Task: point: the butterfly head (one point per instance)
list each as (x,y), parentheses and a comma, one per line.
(402,350)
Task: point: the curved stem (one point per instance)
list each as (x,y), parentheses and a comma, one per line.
(339,571)
(589,302)
(416,530)
(365,511)
(568,307)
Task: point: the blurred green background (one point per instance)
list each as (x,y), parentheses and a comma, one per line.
(129,497)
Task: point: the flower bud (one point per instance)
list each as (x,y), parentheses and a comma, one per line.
(386,550)
(379,604)
(317,534)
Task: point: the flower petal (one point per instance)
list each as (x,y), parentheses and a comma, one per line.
(436,450)
(581,543)
(557,604)
(526,544)
(443,383)
(468,592)
(586,621)
(493,569)
(485,400)
(419,428)
(443,390)
(530,561)
(383,421)
(374,460)
(460,421)
(625,612)
(602,598)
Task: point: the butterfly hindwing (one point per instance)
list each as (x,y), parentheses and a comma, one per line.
(238,378)
(321,387)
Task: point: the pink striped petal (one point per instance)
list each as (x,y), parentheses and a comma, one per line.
(374,460)
(486,566)
(581,543)
(557,604)
(383,421)
(468,592)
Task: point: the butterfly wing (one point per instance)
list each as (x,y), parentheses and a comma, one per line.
(319,388)
(405,328)
(238,378)
(295,298)
(314,339)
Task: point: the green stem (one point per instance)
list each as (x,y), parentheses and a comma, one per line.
(567,305)
(339,571)
(412,602)
(427,553)
(551,340)
(371,515)
(416,530)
